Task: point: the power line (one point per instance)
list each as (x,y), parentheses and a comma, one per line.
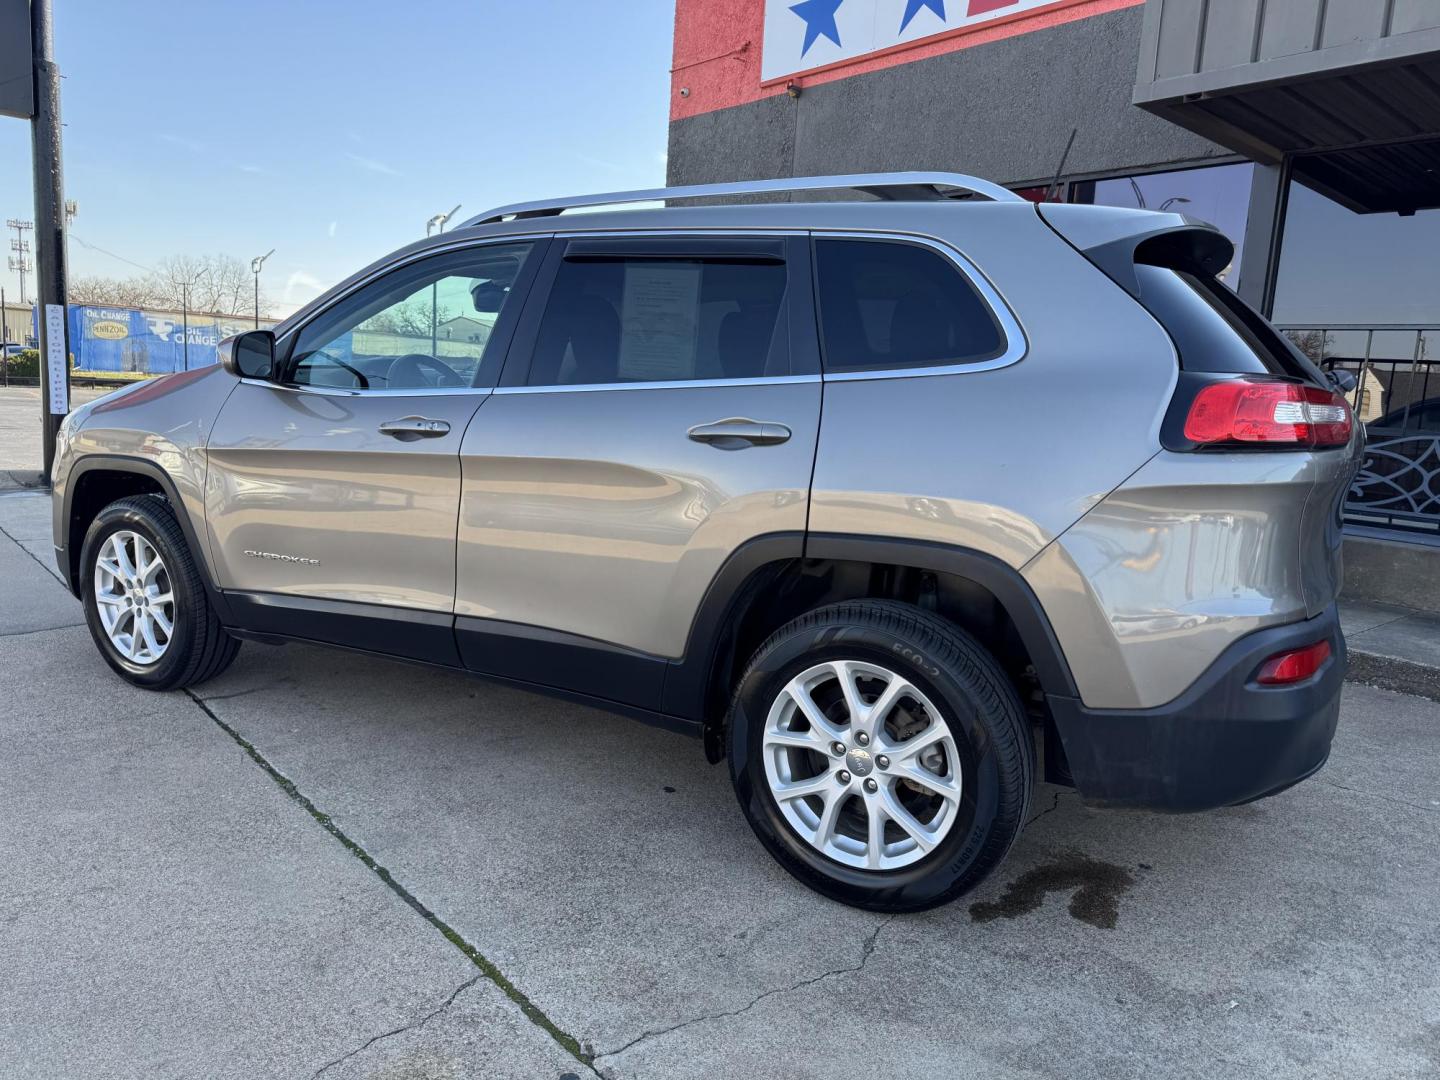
(103,251)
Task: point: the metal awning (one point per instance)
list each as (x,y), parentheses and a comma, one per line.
(1354,87)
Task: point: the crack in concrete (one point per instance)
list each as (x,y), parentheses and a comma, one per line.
(1055,805)
(42,630)
(242,693)
(52,574)
(488,970)
(413,1026)
(1387,798)
(866,950)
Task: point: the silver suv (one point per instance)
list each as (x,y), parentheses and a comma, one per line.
(876,496)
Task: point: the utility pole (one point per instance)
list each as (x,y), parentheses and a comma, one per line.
(186,284)
(20,261)
(50,254)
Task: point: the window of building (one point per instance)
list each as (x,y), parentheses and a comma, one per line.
(620,319)
(1216,194)
(886,305)
(1339,267)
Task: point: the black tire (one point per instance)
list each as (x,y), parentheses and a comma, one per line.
(991,733)
(199,648)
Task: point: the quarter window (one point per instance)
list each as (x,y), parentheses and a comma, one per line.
(887,305)
(639,319)
(423,326)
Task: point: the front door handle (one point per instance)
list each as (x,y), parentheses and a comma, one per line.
(737,433)
(410,428)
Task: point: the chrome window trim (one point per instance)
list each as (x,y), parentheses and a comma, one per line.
(384,391)
(1017,345)
(674,384)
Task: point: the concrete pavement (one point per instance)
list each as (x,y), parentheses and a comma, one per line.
(20,431)
(318,850)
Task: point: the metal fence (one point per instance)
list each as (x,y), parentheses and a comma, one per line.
(1397,397)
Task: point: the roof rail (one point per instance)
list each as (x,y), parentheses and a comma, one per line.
(906,186)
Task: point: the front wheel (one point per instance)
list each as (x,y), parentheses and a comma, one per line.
(145,601)
(881,755)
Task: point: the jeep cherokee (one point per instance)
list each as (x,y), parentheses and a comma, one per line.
(878,497)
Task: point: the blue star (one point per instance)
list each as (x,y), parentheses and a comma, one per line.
(819,16)
(912,8)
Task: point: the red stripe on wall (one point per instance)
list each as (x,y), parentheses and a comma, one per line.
(980,7)
(717,48)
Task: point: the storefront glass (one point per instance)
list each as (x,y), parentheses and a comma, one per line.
(1361,292)
(1340,268)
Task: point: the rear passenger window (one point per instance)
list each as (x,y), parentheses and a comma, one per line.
(623,319)
(887,305)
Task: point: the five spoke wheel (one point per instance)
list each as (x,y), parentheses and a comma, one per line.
(862,765)
(134,598)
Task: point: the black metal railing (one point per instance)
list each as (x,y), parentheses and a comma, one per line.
(1397,396)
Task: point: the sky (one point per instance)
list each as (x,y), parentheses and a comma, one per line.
(331,131)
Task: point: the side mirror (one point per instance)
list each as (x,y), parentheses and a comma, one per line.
(250,355)
(1344,381)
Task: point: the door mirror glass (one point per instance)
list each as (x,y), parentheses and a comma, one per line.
(250,355)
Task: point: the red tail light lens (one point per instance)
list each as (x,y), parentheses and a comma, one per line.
(1294,666)
(1251,411)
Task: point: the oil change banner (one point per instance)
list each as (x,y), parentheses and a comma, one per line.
(150,342)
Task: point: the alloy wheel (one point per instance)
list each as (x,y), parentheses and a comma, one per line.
(862,765)
(134,597)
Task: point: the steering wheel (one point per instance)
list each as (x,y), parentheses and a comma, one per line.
(405,372)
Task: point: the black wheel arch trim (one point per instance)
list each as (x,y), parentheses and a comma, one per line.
(151,471)
(686,684)
(1003,581)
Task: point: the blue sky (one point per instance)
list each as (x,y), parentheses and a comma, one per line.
(331,131)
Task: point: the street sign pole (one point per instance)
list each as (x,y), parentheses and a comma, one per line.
(50,254)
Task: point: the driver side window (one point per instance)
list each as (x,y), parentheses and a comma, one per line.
(424,326)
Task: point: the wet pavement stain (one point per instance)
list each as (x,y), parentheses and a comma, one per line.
(1097,888)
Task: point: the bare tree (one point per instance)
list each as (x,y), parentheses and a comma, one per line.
(112,292)
(1313,343)
(215,283)
(410,319)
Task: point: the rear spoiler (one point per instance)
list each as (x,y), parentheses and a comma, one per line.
(1116,239)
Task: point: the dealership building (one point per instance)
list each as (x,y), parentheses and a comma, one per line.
(1307,130)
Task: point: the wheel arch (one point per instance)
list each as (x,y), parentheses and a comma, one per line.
(771,580)
(96,481)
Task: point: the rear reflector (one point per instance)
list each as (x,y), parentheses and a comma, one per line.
(1294,666)
(1256,411)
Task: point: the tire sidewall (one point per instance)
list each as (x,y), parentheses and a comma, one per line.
(128,516)
(942,874)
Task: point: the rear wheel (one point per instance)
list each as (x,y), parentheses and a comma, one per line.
(145,601)
(881,755)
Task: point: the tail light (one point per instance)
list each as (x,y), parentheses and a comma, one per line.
(1294,666)
(1267,412)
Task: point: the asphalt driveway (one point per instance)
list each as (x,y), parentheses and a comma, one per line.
(324,863)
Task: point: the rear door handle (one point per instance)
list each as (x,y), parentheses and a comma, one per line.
(410,428)
(737,433)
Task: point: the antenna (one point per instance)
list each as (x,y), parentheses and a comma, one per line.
(1060,169)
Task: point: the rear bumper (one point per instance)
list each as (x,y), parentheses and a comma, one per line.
(1226,740)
